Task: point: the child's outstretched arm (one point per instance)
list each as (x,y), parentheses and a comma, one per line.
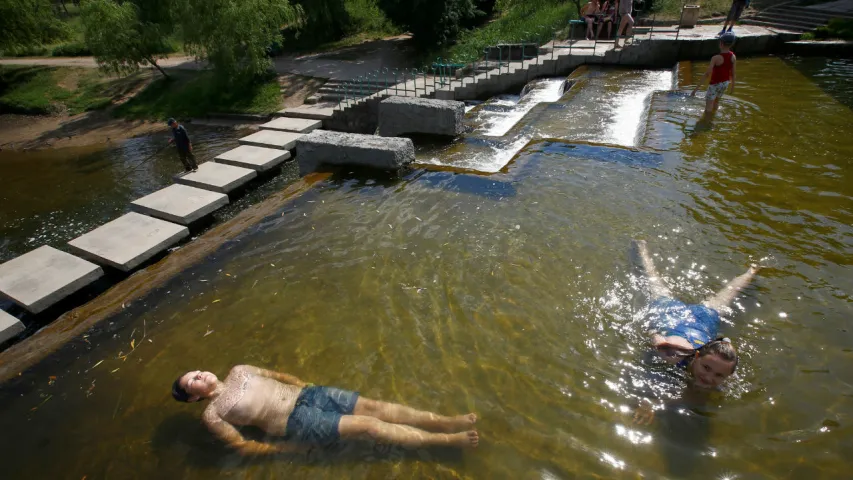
(704,77)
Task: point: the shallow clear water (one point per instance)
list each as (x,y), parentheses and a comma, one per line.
(52,196)
(511,295)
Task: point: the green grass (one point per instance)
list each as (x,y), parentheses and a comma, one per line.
(837,28)
(534,20)
(194,94)
(44,90)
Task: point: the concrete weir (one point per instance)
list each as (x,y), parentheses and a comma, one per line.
(217,177)
(271,139)
(9,326)
(399,115)
(40,278)
(180,203)
(336,148)
(256,158)
(128,241)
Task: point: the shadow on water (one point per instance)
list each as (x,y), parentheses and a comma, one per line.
(832,75)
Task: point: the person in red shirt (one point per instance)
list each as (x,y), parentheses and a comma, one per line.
(721,72)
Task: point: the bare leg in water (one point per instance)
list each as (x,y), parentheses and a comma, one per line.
(723,299)
(366,427)
(401,414)
(657,286)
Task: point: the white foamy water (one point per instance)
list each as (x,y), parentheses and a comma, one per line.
(629,107)
(485,158)
(512,108)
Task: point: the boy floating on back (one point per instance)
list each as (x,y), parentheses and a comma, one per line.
(722,75)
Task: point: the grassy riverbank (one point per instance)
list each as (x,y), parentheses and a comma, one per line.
(37,90)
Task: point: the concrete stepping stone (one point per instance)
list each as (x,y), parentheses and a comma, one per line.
(298,125)
(9,326)
(217,177)
(128,241)
(40,278)
(256,158)
(271,139)
(308,111)
(180,203)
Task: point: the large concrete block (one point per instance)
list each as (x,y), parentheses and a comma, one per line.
(336,148)
(256,158)
(128,241)
(217,177)
(398,115)
(180,203)
(271,139)
(298,125)
(9,326)
(40,278)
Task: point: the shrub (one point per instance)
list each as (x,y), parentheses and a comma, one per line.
(71,49)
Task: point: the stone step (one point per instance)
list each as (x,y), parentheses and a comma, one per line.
(806,24)
(296,125)
(307,112)
(793,16)
(39,278)
(256,158)
(128,241)
(814,12)
(10,327)
(775,25)
(271,139)
(180,204)
(217,177)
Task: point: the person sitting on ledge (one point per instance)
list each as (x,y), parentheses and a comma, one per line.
(306,415)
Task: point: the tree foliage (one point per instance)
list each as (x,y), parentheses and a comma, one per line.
(25,23)
(123,36)
(235,36)
(432,22)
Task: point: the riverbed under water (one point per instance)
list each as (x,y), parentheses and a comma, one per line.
(511,293)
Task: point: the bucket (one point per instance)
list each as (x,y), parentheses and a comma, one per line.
(689,16)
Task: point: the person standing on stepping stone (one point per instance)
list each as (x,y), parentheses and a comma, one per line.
(185,146)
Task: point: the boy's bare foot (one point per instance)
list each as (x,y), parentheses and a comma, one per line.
(460,423)
(469,439)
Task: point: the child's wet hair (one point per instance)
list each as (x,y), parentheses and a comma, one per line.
(723,348)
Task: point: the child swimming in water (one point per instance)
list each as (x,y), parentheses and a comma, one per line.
(686,335)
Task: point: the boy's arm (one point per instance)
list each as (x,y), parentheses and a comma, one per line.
(228,434)
(734,68)
(706,76)
(281,377)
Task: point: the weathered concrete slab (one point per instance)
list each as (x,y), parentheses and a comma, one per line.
(399,115)
(271,139)
(314,112)
(217,177)
(128,241)
(180,203)
(40,278)
(256,158)
(336,148)
(298,125)
(9,326)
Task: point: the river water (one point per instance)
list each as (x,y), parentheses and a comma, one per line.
(511,293)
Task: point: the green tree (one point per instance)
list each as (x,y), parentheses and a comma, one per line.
(122,38)
(25,23)
(432,22)
(235,36)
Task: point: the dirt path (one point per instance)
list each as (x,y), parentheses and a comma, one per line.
(27,132)
(179,61)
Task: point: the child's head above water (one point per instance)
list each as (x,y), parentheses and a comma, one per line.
(714,363)
(727,40)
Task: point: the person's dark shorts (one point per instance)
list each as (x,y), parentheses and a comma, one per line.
(736,10)
(318,413)
(697,324)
